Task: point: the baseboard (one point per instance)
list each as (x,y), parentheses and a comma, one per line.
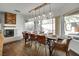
(12,41)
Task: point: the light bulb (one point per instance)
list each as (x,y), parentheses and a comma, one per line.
(43,15)
(39,16)
(50,13)
(35,17)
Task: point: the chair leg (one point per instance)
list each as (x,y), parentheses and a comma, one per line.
(54,52)
(67,53)
(45,51)
(35,45)
(25,41)
(38,49)
(30,43)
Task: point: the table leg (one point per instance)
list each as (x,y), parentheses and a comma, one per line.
(51,47)
(50,51)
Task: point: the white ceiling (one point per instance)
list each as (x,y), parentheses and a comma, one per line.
(23,7)
(57,8)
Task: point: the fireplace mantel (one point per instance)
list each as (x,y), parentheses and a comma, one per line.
(9,26)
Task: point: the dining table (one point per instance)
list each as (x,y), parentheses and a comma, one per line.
(50,40)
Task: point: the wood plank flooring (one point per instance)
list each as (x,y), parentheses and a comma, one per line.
(19,48)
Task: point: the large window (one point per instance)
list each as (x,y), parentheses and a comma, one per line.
(71,24)
(48,26)
(29,26)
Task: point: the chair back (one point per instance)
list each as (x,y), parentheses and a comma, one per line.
(68,41)
(41,39)
(26,35)
(32,36)
(23,33)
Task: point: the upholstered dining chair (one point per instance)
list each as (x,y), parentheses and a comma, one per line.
(25,36)
(62,45)
(41,39)
(32,38)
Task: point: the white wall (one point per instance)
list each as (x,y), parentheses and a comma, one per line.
(19,25)
(2,20)
(18,31)
(59,25)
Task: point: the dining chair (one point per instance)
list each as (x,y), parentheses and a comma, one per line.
(62,45)
(32,38)
(25,36)
(41,39)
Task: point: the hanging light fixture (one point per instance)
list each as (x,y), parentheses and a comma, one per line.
(35,15)
(50,11)
(32,15)
(39,14)
(29,18)
(43,12)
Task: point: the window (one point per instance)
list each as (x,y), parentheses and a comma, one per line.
(48,26)
(29,26)
(39,26)
(71,24)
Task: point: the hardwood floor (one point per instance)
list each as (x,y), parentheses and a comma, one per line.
(19,48)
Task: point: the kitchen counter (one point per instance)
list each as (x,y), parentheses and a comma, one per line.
(1,43)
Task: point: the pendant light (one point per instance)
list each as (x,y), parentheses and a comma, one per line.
(43,13)
(32,16)
(35,14)
(39,16)
(50,11)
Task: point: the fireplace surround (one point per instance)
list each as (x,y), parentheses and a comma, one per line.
(9,32)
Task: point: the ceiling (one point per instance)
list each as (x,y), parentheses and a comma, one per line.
(23,7)
(57,8)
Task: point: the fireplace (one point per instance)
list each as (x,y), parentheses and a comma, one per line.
(9,32)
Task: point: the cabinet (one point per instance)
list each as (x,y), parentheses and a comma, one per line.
(10,18)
